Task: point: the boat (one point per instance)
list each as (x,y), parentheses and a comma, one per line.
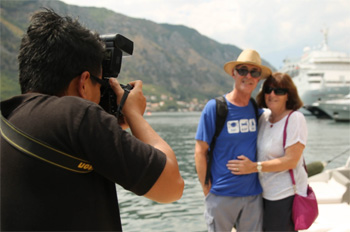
(338,109)
(321,74)
(332,190)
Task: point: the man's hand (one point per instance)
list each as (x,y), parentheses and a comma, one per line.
(135,103)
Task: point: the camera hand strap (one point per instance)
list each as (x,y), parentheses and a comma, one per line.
(38,149)
(127,89)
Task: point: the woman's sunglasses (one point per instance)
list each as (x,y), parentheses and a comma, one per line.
(278,91)
(244,72)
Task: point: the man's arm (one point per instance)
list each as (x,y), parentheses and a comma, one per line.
(169,186)
(200,156)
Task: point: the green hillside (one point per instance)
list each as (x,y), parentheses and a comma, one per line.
(172,60)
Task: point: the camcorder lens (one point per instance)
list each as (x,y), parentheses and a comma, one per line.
(117,46)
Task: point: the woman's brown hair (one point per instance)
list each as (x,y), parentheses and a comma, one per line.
(281,80)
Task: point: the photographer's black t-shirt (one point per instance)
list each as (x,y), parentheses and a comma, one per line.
(36,195)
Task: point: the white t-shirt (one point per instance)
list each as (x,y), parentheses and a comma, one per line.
(278,185)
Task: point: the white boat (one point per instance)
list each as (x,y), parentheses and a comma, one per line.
(338,109)
(332,190)
(320,74)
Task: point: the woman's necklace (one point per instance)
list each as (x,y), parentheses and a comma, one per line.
(275,119)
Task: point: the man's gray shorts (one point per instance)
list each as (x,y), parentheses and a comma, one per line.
(223,213)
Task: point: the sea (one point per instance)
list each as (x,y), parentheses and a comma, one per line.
(328,141)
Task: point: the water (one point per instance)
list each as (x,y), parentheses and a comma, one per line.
(326,140)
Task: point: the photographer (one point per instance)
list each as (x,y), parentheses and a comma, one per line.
(58,62)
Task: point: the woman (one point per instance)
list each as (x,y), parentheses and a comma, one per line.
(280,96)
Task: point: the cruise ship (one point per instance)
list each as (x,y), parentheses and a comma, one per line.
(338,109)
(320,75)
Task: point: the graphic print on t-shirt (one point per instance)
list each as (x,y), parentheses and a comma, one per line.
(243,126)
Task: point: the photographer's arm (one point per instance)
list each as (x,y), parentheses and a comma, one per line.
(169,186)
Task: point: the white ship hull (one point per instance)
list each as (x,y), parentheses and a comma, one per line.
(338,109)
(321,91)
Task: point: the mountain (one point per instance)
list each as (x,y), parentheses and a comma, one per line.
(171,60)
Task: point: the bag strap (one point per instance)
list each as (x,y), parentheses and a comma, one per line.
(255,110)
(221,114)
(284,143)
(38,149)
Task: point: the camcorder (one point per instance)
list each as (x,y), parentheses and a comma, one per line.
(117,46)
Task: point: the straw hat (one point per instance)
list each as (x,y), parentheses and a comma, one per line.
(248,56)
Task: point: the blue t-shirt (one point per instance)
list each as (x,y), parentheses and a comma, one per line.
(238,137)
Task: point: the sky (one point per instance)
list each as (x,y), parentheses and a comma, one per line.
(277,29)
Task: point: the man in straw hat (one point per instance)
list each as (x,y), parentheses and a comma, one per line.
(232,200)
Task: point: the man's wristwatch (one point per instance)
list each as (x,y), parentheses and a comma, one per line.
(259,167)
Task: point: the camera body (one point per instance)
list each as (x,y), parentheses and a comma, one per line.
(117,46)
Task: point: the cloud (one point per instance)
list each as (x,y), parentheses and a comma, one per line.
(276,28)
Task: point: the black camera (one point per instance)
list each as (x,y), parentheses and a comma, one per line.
(117,46)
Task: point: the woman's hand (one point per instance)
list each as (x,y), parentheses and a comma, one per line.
(241,166)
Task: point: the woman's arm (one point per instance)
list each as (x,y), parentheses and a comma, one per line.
(289,161)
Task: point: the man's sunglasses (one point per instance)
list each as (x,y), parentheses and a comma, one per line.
(278,91)
(103,82)
(244,72)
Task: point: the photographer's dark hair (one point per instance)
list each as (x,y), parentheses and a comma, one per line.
(54,51)
(281,80)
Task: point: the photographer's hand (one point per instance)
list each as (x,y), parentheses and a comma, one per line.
(169,186)
(135,102)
